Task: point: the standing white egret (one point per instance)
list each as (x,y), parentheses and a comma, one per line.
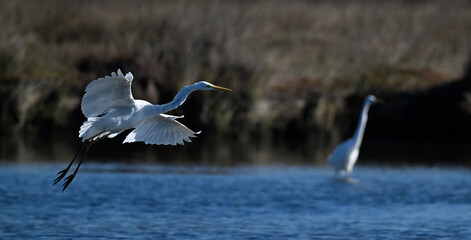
(110,109)
(345,155)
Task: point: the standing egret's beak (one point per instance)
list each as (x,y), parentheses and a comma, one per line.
(379,100)
(220,88)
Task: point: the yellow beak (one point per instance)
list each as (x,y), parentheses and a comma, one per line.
(220,88)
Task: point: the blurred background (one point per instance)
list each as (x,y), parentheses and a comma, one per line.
(299,71)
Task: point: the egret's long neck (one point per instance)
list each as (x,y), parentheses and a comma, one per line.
(177,101)
(358,136)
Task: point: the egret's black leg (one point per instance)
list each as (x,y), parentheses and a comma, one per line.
(64,172)
(71,177)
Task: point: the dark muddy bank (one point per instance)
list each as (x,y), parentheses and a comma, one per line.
(299,70)
(284,126)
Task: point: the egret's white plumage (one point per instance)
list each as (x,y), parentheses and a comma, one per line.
(111,109)
(106,93)
(161,129)
(345,155)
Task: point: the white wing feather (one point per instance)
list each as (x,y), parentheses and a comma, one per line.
(161,130)
(86,125)
(107,92)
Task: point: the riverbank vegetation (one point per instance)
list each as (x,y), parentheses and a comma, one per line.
(297,68)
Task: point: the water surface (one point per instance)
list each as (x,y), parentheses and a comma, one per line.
(121,201)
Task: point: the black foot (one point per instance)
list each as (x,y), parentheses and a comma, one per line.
(61,175)
(68,180)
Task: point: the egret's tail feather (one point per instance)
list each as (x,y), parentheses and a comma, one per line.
(86,126)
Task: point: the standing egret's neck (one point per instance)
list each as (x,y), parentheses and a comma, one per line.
(177,101)
(358,136)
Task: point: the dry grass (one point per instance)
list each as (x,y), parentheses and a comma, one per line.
(254,47)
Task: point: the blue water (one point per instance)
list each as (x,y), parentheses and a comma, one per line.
(119,201)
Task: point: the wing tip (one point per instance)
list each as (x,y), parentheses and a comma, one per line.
(129,76)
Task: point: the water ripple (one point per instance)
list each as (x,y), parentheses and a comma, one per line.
(116,201)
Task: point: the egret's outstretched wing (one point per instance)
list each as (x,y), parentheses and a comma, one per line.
(107,92)
(161,130)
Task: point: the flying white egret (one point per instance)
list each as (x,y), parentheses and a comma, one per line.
(345,155)
(110,109)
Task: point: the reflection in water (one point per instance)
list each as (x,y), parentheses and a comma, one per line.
(211,149)
(205,149)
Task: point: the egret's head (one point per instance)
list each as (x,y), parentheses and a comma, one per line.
(373,99)
(203,85)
